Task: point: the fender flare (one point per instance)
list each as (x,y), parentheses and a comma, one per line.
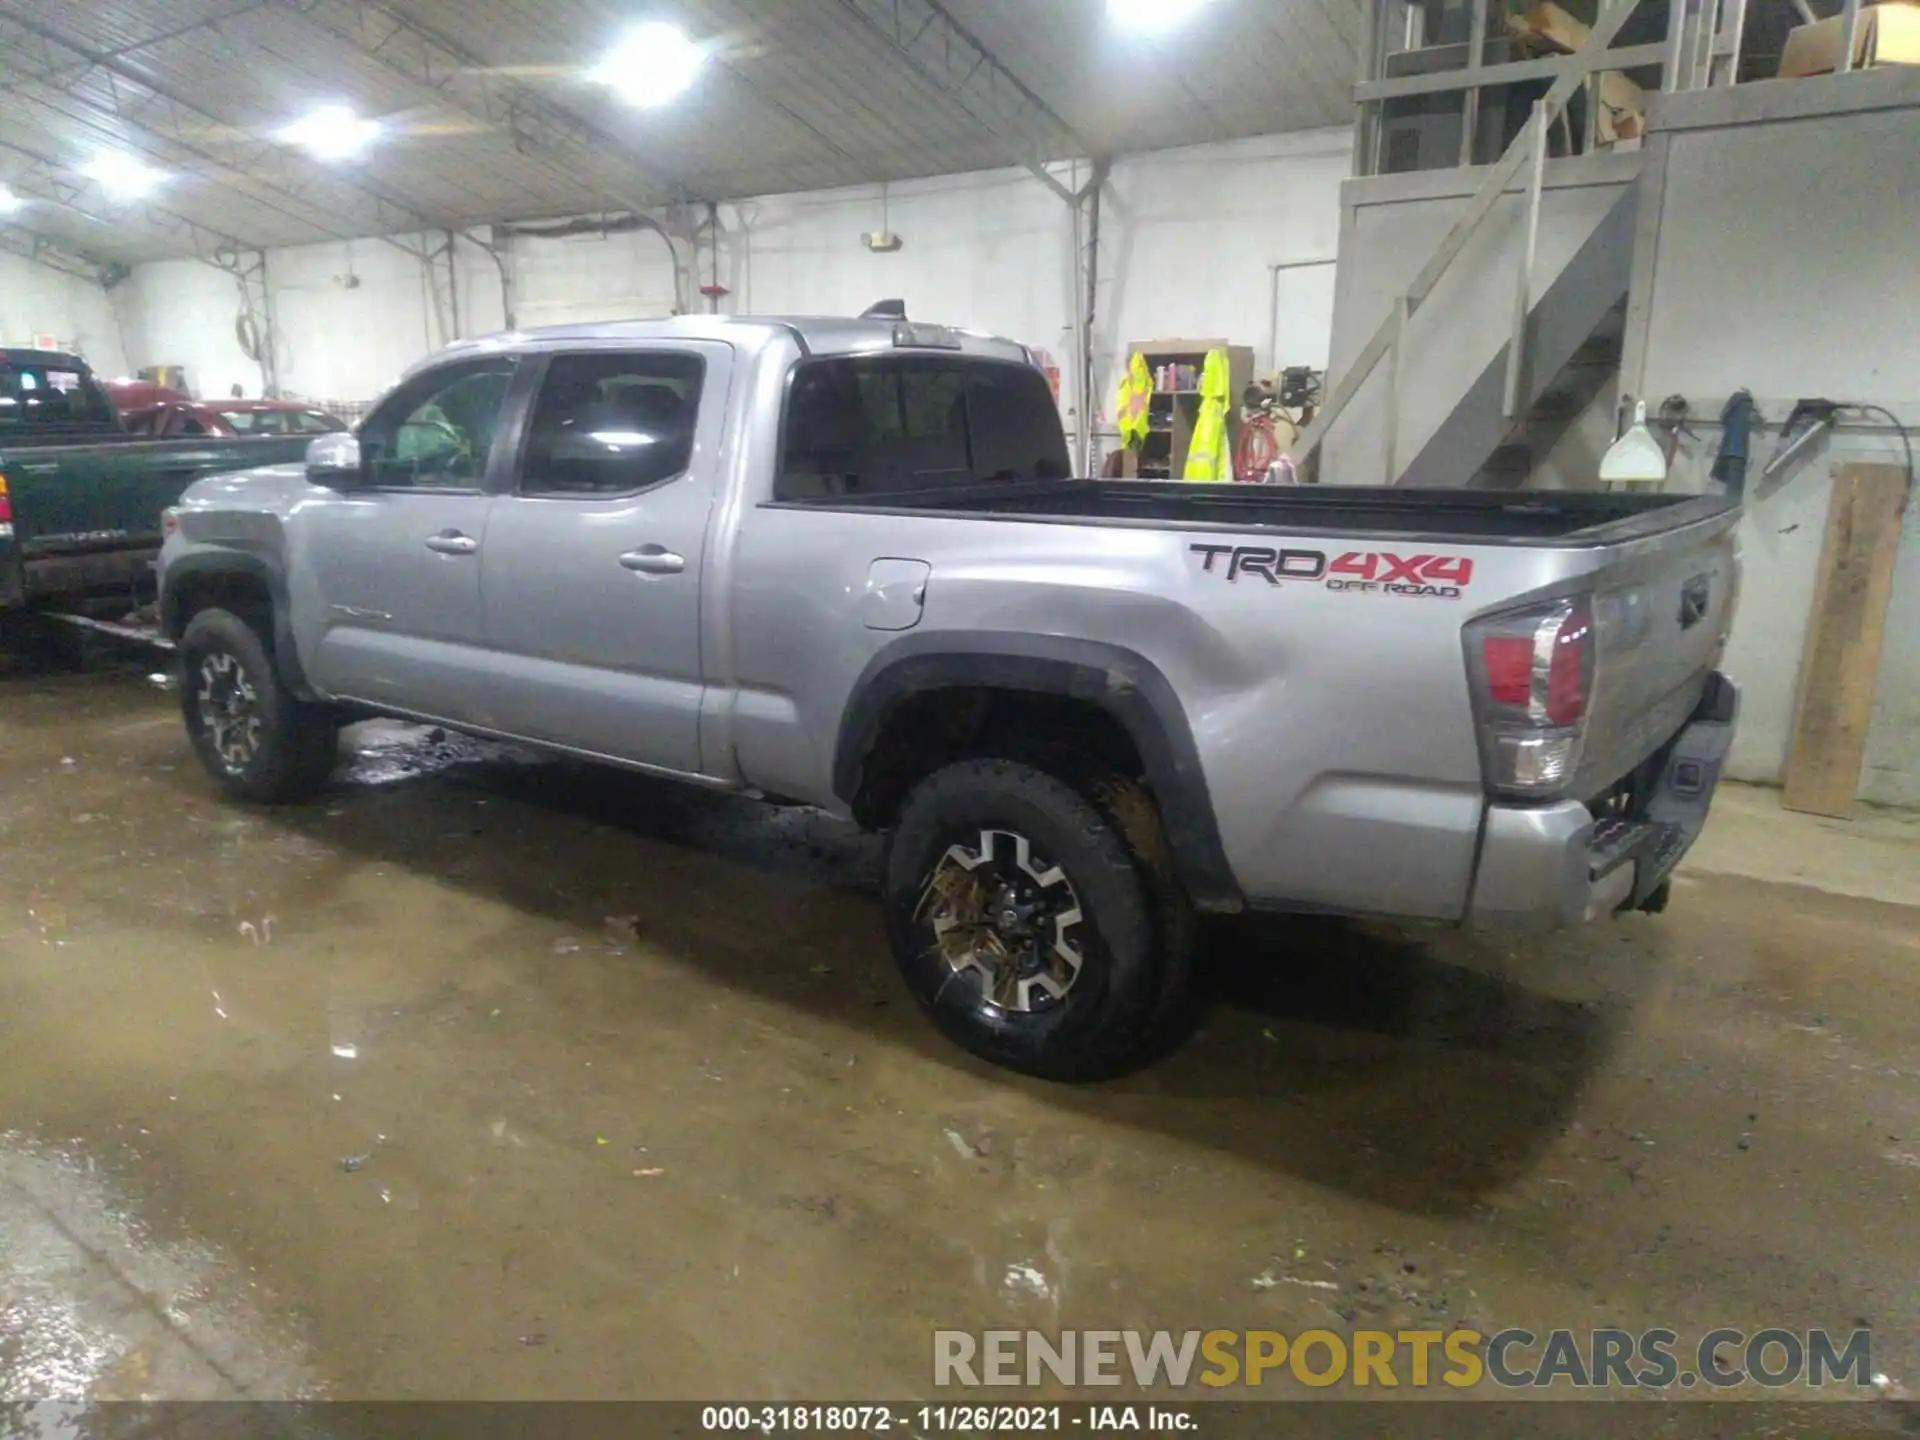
(286,657)
(1125,684)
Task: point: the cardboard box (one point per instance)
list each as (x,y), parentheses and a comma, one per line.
(1623,109)
(1623,104)
(1887,35)
(1548,23)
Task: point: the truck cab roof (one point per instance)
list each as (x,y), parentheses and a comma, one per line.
(815,334)
(12,355)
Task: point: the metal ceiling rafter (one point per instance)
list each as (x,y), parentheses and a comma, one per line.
(49,252)
(946,55)
(431,60)
(61,64)
(210,22)
(44,178)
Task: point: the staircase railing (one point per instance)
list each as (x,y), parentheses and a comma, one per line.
(1529,145)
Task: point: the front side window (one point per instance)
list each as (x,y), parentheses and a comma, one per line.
(611,424)
(892,424)
(437,432)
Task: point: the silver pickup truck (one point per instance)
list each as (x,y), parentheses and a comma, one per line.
(845,563)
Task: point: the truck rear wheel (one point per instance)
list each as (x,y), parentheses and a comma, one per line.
(257,738)
(1027,926)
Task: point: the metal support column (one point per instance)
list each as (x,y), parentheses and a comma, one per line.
(1476,58)
(1367,122)
(1089,406)
(1675,43)
(254,325)
(498,246)
(1849,36)
(1523,289)
(453,284)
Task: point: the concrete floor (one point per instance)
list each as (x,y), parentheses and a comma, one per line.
(492,1078)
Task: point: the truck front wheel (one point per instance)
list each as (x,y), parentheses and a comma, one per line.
(257,738)
(1027,926)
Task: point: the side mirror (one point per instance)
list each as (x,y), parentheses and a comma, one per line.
(334,461)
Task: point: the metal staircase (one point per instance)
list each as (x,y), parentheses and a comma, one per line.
(1570,350)
(1565,343)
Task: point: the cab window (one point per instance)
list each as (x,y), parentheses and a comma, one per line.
(896,424)
(612,424)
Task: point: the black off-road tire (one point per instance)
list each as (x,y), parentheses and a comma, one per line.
(295,743)
(1132,982)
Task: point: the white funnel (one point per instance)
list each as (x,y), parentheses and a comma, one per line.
(1636,455)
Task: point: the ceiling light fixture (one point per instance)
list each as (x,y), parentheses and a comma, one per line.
(652,65)
(9,202)
(122,176)
(1150,17)
(330,132)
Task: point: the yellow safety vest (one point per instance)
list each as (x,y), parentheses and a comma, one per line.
(1130,403)
(1207,453)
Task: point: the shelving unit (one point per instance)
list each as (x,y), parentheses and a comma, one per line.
(1172,414)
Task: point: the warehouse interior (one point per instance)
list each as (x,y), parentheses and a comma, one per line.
(494,1074)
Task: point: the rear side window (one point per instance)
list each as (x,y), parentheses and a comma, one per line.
(611,424)
(890,424)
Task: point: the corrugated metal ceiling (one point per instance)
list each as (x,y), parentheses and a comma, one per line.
(492,121)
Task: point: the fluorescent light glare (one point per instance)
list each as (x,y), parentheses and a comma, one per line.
(1150,17)
(330,132)
(122,176)
(9,202)
(652,65)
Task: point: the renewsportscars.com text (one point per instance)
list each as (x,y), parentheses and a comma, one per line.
(1599,1359)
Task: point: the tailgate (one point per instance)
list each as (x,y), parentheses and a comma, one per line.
(1662,608)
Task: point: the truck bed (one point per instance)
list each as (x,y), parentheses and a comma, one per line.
(1570,518)
(86,515)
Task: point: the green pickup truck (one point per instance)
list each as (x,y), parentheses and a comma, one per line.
(80,498)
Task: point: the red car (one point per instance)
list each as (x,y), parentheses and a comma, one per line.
(179,419)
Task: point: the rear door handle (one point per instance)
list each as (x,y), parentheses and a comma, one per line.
(452,542)
(653,560)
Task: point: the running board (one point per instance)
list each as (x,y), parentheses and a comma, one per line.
(153,639)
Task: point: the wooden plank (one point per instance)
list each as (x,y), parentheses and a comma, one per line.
(1842,658)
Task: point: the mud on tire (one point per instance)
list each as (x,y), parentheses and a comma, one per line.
(1029,927)
(256,738)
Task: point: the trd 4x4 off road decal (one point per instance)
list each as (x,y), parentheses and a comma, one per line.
(1366,572)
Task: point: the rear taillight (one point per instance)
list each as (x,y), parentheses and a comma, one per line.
(169,520)
(1533,677)
(6,503)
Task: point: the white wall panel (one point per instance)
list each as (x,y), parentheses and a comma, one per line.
(35,300)
(1188,237)
(181,312)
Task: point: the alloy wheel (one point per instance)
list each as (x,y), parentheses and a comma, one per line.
(229,708)
(1000,911)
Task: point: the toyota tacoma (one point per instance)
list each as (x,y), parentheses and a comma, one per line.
(846,563)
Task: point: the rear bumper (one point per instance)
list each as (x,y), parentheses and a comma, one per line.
(1548,866)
